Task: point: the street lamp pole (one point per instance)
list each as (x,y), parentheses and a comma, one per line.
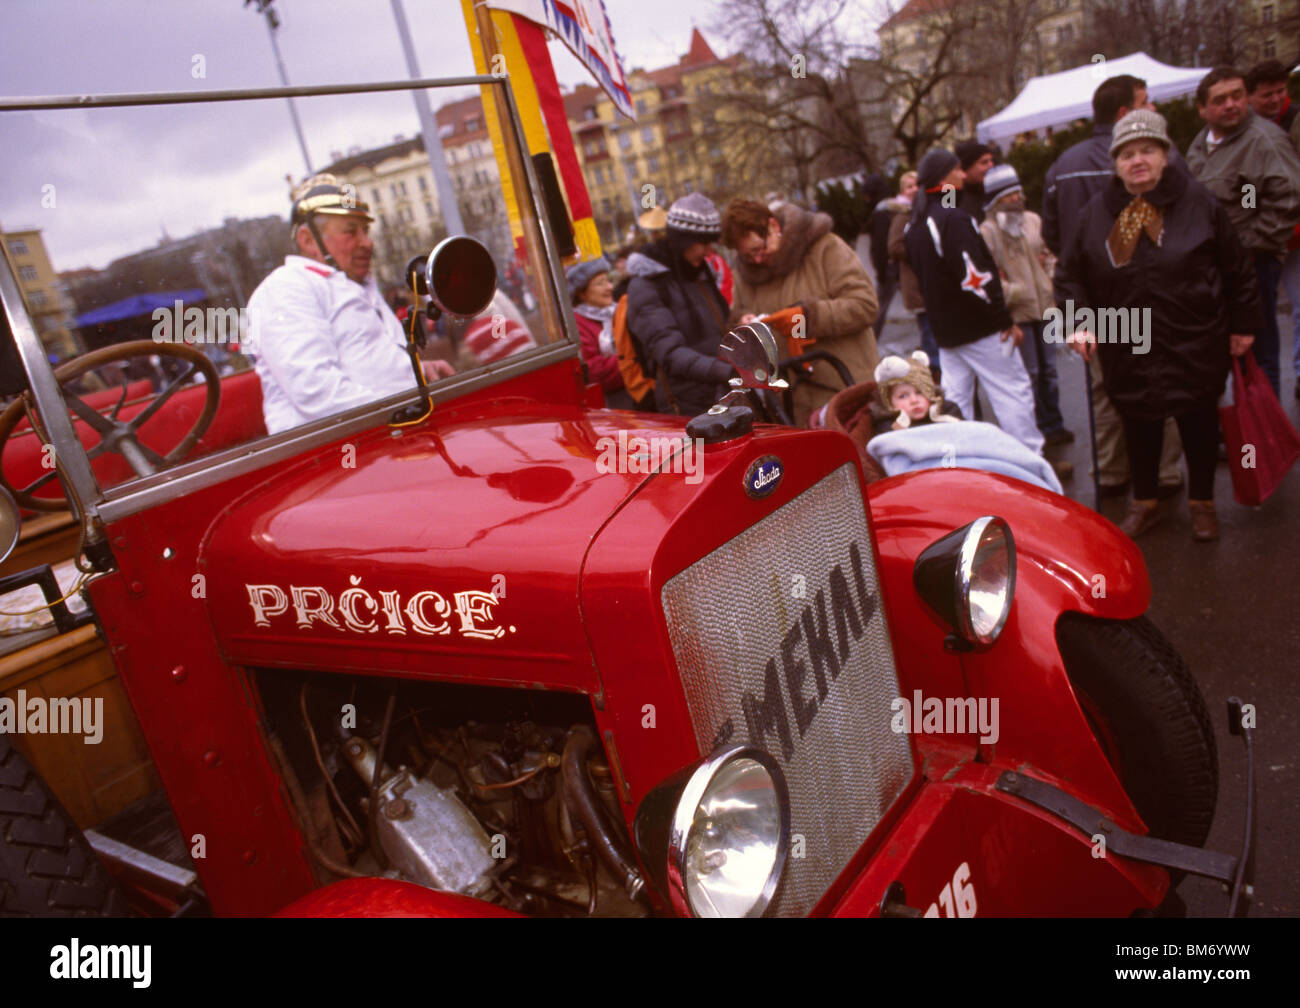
(272,23)
(429,129)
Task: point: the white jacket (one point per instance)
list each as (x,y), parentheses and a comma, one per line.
(323,344)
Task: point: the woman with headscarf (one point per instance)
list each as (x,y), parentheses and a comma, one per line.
(1167,294)
(592,294)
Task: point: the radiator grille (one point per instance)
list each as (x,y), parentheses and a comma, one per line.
(739,620)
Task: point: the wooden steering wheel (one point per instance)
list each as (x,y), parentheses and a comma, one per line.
(120,436)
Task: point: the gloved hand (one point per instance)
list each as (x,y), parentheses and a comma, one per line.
(783,322)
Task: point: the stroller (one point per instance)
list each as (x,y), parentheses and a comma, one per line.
(856,412)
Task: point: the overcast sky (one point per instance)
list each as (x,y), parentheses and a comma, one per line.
(121,176)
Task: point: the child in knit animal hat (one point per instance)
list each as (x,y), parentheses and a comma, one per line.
(908,394)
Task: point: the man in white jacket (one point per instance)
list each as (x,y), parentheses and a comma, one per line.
(323,338)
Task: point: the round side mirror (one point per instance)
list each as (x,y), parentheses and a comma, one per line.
(461,276)
(10,522)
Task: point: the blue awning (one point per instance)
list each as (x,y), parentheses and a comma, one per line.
(140,304)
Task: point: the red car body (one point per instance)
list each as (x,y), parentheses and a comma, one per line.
(498,489)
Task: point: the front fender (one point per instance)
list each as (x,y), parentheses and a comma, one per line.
(1087,565)
(1068,559)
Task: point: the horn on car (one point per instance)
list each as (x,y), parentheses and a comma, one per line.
(461,276)
(751,350)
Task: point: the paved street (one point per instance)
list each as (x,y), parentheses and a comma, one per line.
(1229,608)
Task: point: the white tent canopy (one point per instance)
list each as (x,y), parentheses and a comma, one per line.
(1060,98)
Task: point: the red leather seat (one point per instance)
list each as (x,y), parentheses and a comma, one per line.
(238,421)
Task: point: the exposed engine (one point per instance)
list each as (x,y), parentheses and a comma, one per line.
(409,780)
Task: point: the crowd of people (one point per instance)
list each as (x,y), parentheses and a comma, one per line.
(1176,259)
(1187,248)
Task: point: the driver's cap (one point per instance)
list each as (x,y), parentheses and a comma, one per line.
(326,194)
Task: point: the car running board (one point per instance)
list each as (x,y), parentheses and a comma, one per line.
(1238,872)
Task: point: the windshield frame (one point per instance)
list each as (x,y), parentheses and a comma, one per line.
(89,501)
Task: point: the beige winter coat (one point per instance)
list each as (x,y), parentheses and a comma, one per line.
(818,270)
(1026,266)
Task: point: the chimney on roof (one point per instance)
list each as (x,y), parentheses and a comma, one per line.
(398,137)
(336,155)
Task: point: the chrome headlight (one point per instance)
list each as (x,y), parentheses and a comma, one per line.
(715,836)
(969,579)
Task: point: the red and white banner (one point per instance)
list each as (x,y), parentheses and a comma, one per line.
(584,27)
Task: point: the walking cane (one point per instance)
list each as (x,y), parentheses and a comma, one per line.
(1092,438)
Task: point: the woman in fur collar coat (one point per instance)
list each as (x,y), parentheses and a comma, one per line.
(811,286)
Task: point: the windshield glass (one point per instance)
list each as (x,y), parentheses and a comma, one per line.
(160,248)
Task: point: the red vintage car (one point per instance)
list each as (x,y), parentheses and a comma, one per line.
(489,648)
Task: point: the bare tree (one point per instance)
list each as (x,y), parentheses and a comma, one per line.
(791,112)
(931,66)
(1189,32)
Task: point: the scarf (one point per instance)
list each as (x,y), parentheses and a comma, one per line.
(1138,217)
(605,316)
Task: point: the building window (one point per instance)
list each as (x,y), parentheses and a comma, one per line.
(424,183)
(428,208)
(648,135)
(402,187)
(376,196)
(630,170)
(394,188)
(1266,14)
(1270,48)
(920,36)
(640,105)
(27,273)
(38,299)
(605,207)
(652,165)
(473,124)
(383,222)
(18,247)
(625,141)
(688,186)
(589,113)
(1064,33)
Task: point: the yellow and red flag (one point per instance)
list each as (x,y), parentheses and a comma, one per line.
(521,40)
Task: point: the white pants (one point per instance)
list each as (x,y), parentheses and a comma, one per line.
(1004,379)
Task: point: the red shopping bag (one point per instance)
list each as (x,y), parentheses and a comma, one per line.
(1261,442)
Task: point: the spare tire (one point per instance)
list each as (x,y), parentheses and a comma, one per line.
(46,867)
(1150,719)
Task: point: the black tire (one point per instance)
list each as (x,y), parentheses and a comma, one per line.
(46,867)
(1150,718)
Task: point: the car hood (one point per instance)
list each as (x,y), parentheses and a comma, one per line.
(465,538)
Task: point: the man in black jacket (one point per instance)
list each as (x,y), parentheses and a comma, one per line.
(676,311)
(964,303)
(976,160)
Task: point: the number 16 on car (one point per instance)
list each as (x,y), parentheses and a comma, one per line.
(957,898)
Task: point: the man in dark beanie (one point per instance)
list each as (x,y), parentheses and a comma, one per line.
(964,302)
(976,159)
(676,310)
